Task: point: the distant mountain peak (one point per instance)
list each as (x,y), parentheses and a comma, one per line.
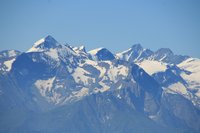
(135,53)
(9,53)
(166,55)
(47,41)
(81,48)
(137,47)
(95,51)
(164,51)
(101,54)
(44,43)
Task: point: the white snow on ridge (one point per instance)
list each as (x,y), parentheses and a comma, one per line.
(39,45)
(34,49)
(151,66)
(44,85)
(39,42)
(124,52)
(80,77)
(114,72)
(178,88)
(127,54)
(192,65)
(53,54)
(101,69)
(8,64)
(79,49)
(12,53)
(95,51)
(46,90)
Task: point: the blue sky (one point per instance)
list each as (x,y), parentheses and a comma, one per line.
(114,24)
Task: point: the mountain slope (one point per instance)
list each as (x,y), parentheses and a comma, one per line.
(99,113)
(175,72)
(54,87)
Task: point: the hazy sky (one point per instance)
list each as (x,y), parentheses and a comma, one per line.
(114,24)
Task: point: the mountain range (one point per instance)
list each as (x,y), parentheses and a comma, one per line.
(58,88)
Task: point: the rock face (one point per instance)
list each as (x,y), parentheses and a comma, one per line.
(60,88)
(135,53)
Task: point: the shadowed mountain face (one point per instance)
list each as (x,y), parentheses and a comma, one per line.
(101,54)
(60,88)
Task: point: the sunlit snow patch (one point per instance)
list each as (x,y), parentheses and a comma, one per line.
(8,64)
(151,66)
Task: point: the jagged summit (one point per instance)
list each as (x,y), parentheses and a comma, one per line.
(137,47)
(81,48)
(166,55)
(164,51)
(44,43)
(135,53)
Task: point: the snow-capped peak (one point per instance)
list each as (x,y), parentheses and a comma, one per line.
(135,53)
(81,48)
(137,47)
(44,43)
(101,54)
(95,51)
